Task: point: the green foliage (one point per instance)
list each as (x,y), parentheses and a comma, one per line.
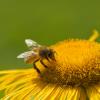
(1,94)
(43,21)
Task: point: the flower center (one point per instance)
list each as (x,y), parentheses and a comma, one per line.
(77,63)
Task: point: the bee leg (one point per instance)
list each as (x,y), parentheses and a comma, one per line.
(41,61)
(48,59)
(52,58)
(35,67)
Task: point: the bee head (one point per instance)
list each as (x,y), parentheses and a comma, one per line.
(47,53)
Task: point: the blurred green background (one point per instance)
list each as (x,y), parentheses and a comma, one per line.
(45,21)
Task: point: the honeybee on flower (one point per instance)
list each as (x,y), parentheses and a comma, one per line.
(37,53)
(70,70)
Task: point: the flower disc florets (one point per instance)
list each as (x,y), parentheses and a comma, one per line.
(77,63)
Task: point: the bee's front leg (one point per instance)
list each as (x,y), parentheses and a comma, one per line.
(35,67)
(41,61)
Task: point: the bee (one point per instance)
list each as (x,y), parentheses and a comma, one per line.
(37,53)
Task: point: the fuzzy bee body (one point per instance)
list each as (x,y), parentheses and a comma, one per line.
(36,53)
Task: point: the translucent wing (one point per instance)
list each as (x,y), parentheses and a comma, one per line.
(27,55)
(32,44)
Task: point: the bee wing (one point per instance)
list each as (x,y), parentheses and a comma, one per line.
(27,55)
(32,44)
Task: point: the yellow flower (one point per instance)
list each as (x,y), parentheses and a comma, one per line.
(75,75)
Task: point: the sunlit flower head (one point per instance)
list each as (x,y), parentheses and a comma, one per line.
(68,70)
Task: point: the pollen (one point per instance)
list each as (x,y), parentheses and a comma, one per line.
(77,63)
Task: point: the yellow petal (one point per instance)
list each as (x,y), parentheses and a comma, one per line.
(54,94)
(64,94)
(43,94)
(93,93)
(94,36)
(73,94)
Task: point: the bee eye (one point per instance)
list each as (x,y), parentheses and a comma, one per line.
(50,53)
